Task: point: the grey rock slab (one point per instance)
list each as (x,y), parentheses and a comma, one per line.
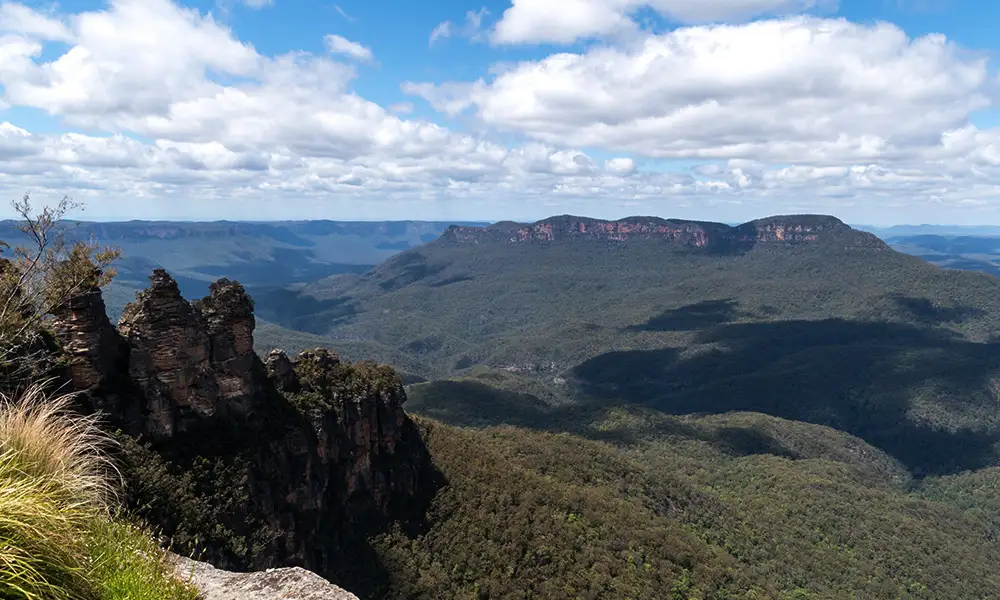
(292,583)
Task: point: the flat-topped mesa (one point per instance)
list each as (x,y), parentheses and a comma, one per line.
(779,230)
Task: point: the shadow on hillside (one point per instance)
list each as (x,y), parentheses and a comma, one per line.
(923,311)
(859,377)
(691,317)
(468,403)
(301,312)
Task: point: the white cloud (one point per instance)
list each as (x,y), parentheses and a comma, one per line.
(23,20)
(620,166)
(471,29)
(401,108)
(341,45)
(344,14)
(256,4)
(536,21)
(796,90)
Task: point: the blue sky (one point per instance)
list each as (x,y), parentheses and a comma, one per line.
(879,112)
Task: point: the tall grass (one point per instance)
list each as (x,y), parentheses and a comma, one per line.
(58,539)
(53,484)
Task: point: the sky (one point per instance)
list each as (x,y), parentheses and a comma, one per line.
(879,112)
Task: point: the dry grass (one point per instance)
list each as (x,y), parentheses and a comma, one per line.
(58,540)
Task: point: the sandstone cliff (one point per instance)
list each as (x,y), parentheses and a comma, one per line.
(780,230)
(256,466)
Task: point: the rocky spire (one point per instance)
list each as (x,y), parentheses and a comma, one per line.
(321,446)
(169,358)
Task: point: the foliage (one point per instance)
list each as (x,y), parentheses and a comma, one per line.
(40,277)
(677,511)
(128,564)
(202,500)
(865,340)
(58,540)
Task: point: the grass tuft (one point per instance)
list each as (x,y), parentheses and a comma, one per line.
(58,539)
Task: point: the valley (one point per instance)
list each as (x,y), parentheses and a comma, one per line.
(788,408)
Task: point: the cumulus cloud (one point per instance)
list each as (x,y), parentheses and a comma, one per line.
(341,45)
(796,90)
(620,166)
(20,19)
(536,21)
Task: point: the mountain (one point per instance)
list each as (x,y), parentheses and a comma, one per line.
(936,230)
(800,317)
(965,252)
(258,254)
(313,462)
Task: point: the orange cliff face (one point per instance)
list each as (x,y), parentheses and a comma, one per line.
(784,230)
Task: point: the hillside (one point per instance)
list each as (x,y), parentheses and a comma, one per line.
(737,506)
(798,317)
(312,461)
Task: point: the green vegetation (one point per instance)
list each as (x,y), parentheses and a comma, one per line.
(730,506)
(868,341)
(634,421)
(62,536)
(58,540)
(36,278)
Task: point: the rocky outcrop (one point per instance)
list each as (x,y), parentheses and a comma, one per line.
(169,357)
(280,370)
(96,352)
(258,465)
(227,316)
(273,584)
(784,230)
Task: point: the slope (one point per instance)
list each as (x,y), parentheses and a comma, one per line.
(738,506)
(800,317)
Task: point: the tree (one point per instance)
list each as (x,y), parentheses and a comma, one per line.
(40,276)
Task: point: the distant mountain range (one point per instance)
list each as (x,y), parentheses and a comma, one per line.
(260,255)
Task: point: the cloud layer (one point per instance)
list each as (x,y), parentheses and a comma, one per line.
(798,114)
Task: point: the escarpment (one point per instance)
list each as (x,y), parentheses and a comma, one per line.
(779,231)
(257,465)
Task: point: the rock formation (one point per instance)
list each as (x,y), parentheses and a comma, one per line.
(290,458)
(782,230)
(97,354)
(274,584)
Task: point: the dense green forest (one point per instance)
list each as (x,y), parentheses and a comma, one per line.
(739,506)
(849,335)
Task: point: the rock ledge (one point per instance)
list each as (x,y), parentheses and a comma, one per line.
(291,583)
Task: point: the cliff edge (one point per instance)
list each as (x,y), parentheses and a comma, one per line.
(778,230)
(252,465)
